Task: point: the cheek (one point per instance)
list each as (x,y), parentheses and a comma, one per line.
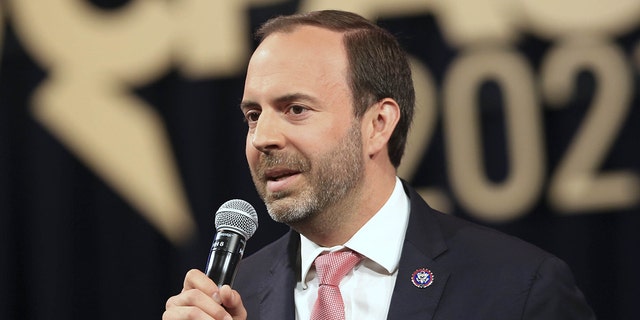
(251,153)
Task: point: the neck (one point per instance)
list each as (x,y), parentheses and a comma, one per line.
(339,222)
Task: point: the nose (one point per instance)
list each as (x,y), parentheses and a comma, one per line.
(267,134)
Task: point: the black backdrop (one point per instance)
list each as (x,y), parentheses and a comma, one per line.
(72,248)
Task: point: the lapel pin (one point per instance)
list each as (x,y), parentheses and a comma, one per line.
(422,278)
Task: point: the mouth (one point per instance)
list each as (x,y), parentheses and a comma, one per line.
(279,174)
(279,178)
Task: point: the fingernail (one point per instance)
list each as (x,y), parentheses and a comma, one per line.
(216,298)
(228,317)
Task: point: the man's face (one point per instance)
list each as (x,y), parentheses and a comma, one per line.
(304,147)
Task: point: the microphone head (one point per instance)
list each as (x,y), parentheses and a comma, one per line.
(239,216)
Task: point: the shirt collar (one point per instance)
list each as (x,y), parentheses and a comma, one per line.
(379,240)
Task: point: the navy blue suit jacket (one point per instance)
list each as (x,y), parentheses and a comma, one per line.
(478,273)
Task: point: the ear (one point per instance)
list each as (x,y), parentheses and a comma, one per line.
(378,124)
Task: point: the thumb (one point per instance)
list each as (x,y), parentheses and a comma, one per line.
(232,302)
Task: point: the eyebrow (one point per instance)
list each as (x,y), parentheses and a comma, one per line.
(248,104)
(244,105)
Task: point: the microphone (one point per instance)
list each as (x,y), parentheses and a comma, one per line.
(236,221)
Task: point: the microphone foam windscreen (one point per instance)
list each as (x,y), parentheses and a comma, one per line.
(237,215)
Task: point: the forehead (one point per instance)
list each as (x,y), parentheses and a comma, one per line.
(314,41)
(306,56)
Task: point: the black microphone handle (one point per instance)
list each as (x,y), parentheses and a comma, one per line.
(226,253)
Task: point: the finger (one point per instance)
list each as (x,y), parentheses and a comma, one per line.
(232,302)
(196,279)
(194,302)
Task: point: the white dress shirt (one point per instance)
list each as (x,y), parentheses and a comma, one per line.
(366,290)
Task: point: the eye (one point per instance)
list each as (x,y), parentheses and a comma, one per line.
(296,109)
(252,115)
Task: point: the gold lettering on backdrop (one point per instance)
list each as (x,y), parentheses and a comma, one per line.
(211,37)
(372,9)
(486,199)
(553,19)
(578,184)
(94,58)
(467,22)
(92,55)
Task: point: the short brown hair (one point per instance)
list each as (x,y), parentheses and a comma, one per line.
(378,67)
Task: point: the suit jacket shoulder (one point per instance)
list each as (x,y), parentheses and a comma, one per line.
(479,273)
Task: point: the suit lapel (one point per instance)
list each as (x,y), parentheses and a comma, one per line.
(423,243)
(276,298)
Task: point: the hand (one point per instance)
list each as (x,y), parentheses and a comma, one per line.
(202,299)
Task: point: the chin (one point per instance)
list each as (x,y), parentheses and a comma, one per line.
(287,210)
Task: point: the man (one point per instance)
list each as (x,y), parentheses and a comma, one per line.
(328,100)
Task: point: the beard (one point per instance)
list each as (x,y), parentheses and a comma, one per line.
(329,179)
